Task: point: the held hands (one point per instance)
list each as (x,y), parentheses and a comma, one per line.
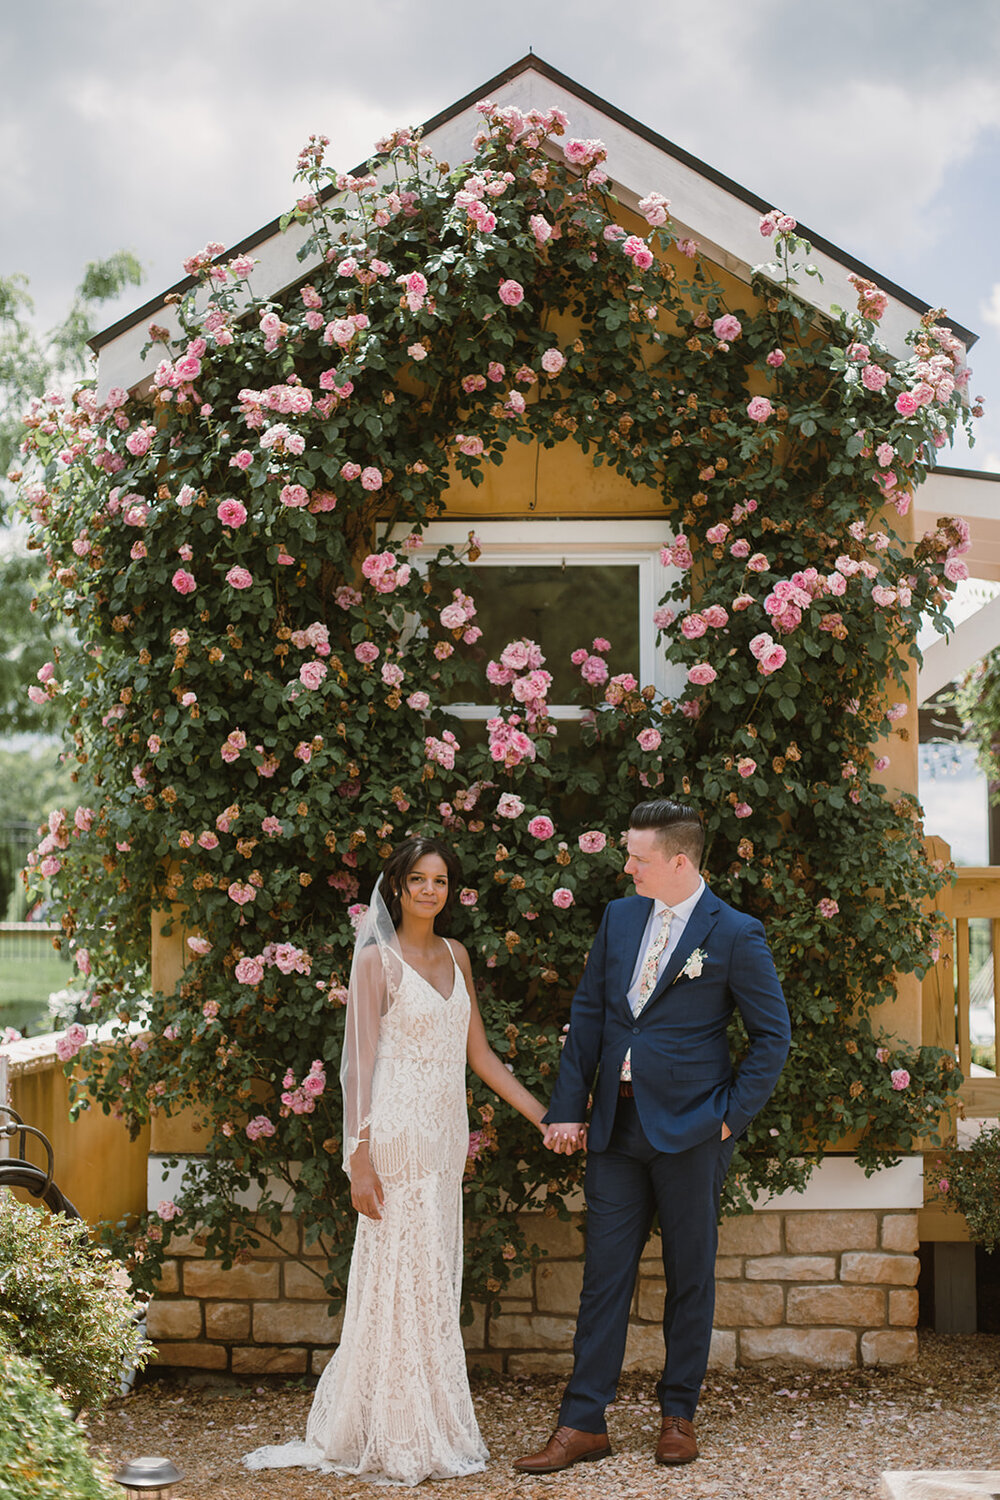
(564,1139)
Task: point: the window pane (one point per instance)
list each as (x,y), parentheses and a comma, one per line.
(561,608)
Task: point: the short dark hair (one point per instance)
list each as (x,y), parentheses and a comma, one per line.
(401,862)
(679,827)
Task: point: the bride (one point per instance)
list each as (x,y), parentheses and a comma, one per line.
(394,1401)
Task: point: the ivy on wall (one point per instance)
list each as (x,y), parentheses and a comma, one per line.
(267,648)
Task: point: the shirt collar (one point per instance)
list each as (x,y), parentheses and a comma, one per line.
(684,908)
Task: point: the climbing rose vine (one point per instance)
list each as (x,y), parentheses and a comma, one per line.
(267,646)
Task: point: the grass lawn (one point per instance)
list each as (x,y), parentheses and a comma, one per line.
(27,981)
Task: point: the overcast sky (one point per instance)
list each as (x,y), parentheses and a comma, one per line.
(158,126)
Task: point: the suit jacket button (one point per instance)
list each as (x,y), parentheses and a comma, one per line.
(635,1031)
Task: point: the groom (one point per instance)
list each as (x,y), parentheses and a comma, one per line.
(648,1037)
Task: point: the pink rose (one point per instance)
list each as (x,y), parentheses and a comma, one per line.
(184,582)
(773,658)
(701,674)
(874,378)
(71,1041)
(827,907)
(693,626)
(366,652)
(553,361)
(294,496)
(746,765)
(467,896)
(232,513)
(241,893)
(906,404)
(541,827)
(371,479)
(649,739)
(563,897)
(239,578)
(727,328)
(511,293)
(900,1079)
(776,359)
(759,409)
(592,842)
(743,810)
(200,946)
(259,1126)
(510,806)
(312,673)
(418,702)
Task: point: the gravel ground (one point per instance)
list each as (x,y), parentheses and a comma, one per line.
(772,1434)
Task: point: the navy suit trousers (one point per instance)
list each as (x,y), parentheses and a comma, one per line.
(624,1186)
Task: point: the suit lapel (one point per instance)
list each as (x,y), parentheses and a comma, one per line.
(628,941)
(700,924)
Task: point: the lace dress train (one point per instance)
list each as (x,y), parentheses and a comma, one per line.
(394,1401)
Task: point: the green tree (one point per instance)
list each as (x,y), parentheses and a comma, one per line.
(30,364)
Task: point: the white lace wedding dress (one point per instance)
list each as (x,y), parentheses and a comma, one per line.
(394,1403)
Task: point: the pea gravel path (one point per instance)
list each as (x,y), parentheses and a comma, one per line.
(771,1434)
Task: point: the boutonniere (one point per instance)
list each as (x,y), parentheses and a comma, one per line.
(694,965)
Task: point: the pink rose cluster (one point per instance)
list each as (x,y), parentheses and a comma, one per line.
(654,209)
(300,1099)
(520,668)
(775,220)
(458,616)
(259,1128)
(510,806)
(638,252)
(770,657)
(442,751)
(619,688)
(508,743)
(678,555)
(385,572)
(72,1039)
(791,596)
(872,302)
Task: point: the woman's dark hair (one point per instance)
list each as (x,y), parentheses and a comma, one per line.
(401,862)
(679,827)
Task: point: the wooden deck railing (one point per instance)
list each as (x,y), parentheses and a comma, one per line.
(946,989)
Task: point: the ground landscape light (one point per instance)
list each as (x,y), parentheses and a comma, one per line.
(147,1476)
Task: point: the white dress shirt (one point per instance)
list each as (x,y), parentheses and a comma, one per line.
(682,912)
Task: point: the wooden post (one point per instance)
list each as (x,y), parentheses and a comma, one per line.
(954,1288)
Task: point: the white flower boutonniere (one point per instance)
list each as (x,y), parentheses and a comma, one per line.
(694,965)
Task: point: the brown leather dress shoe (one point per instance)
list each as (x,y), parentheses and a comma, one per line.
(566,1446)
(677,1443)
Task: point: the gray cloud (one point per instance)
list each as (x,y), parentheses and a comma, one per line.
(160,127)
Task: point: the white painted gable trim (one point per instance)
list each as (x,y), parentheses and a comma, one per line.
(723,223)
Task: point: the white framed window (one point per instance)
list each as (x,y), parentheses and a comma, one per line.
(563,584)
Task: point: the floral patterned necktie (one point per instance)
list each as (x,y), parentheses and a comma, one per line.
(647,980)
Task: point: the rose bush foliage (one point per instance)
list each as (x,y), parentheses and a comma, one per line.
(267,649)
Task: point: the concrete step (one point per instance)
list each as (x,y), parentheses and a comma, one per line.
(940,1484)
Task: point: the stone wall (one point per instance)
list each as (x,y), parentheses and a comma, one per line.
(822,1288)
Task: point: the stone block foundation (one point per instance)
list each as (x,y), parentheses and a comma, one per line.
(809,1287)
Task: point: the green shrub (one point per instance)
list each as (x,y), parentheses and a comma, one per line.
(970,1183)
(65,1303)
(42,1451)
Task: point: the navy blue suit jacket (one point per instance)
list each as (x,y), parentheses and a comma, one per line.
(681,1071)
